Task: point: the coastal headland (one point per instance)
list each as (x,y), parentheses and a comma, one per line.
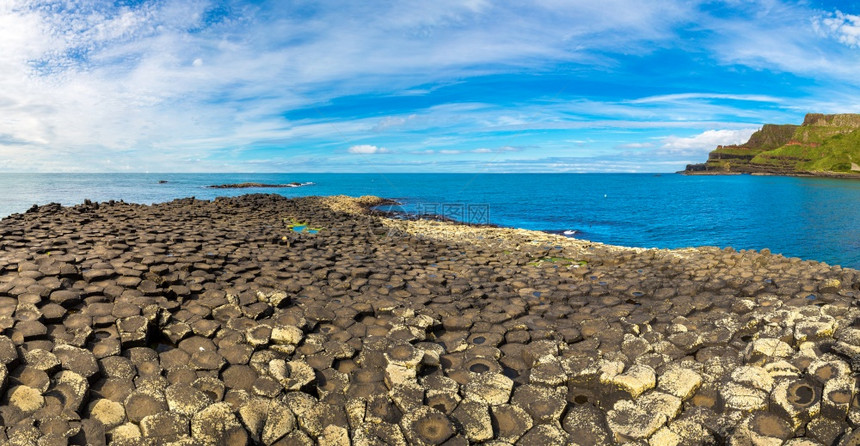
(822,146)
(226,322)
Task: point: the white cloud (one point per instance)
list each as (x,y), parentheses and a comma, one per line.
(367,149)
(844,27)
(786,37)
(462,152)
(636,145)
(703,142)
(157,85)
(704,96)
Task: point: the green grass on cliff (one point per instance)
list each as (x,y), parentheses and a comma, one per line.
(824,143)
(822,149)
(769,137)
(735,150)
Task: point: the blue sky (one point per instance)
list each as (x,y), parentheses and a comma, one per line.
(441,86)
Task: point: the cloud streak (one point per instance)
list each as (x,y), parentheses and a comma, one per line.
(367,149)
(203,85)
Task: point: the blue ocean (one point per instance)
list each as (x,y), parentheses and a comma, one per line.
(810,218)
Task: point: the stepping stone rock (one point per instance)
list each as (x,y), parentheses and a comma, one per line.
(174,359)
(279,422)
(826,431)
(665,437)
(543,404)
(239,377)
(8,353)
(26,399)
(762,428)
(258,336)
(426,426)
(320,415)
(117,367)
(140,405)
(42,360)
(662,404)
(798,401)
(473,419)
(237,354)
(823,371)
(815,328)
(744,398)
(77,360)
(211,386)
(548,372)
(72,388)
(543,434)
(587,426)
(177,331)
(782,370)
(629,421)
(292,375)
(66,298)
(253,414)
(126,433)
(492,388)
(753,376)
(207,360)
(398,375)
(836,397)
(334,436)
(764,350)
(218,424)
(165,426)
(185,399)
(28,330)
(111,414)
(133,331)
(636,380)
(404,355)
(92,433)
(680,382)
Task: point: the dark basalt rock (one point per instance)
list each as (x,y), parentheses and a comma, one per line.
(256,185)
(214,322)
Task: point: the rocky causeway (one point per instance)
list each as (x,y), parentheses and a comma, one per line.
(257,185)
(220,322)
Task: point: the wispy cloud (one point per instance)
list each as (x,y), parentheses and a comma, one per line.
(705,96)
(206,85)
(702,143)
(843,27)
(367,149)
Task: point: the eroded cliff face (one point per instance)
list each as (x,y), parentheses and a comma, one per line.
(822,145)
(838,120)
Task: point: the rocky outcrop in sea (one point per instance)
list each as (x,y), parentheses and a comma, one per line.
(258,185)
(218,322)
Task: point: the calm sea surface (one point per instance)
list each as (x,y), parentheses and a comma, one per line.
(810,218)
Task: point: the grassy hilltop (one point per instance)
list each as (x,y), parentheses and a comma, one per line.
(822,145)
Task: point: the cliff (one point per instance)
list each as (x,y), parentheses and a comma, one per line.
(824,145)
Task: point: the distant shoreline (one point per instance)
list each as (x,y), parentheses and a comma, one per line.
(834,175)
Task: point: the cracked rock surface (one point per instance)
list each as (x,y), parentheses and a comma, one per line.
(217,322)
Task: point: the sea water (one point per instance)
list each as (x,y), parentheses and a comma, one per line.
(810,218)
